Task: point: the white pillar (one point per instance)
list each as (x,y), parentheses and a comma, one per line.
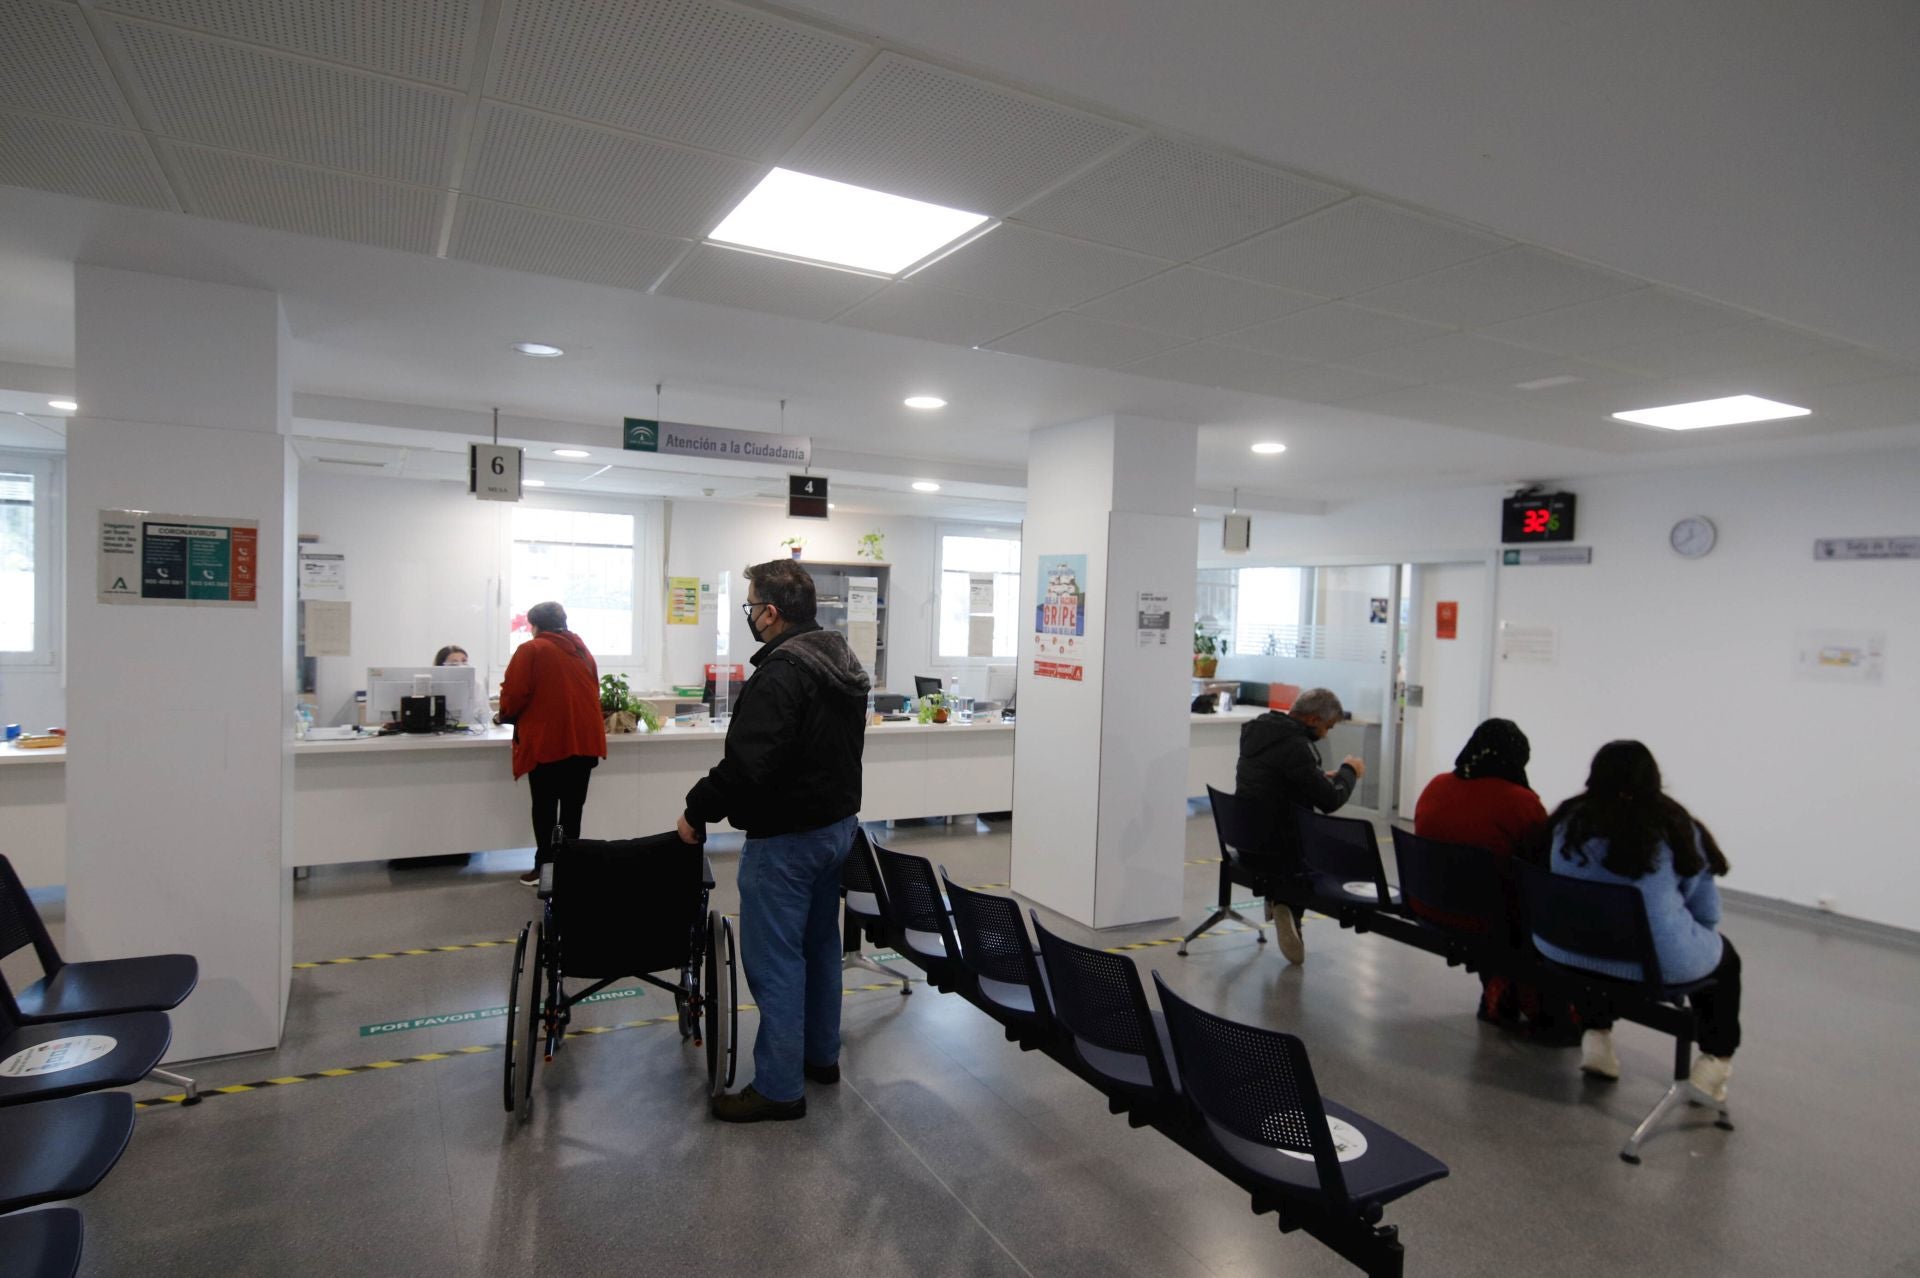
(179,771)
(1100,762)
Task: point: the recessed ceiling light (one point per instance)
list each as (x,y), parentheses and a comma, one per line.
(924,401)
(1730,411)
(925,486)
(539,350)
(798,215)
(533,483)
(64,405)
(571,452)
(1268,447)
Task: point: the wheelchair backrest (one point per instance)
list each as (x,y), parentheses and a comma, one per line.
(625,906)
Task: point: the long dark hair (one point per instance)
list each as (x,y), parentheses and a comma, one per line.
(1624,804)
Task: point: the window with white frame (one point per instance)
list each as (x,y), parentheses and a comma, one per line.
(979,591)
(585,561)
(26,560)
(1268,618)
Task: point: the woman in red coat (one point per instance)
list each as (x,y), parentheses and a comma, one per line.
(551,696)
(1485,802)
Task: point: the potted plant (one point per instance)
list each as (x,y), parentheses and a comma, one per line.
(625,712)
(1206,653)
(872,546)
(933,708)
(795,544)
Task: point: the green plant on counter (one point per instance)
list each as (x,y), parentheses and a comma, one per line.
(933,708)
(1204,644)
(873,546)
(794,545)
(617,699)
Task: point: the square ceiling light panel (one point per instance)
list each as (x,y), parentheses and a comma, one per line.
(1731,410)
(815,219)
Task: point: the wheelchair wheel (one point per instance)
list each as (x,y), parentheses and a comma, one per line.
(721,1005)
(539,1011)
(514,1014)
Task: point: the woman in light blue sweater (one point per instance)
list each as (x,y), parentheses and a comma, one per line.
(1623,829)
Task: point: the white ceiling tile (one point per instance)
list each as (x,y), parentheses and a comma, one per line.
(1208,364)
(1192,304)
(1176,201)
(1014,264)
(1507,285)
(1466,411)
(528,240)
(1801,374)
(1075,339)
(913,309)
(1326,384)
(288,197)
(1331,331)
(729,277)
(240,99)
(1644,315)
(1715,350)
(1355,246)
(929,134)
(1893,401)
(704,74)
(80,159)
(1441,359)
(1573,384)
(523,157)
(418,39)
(48,63)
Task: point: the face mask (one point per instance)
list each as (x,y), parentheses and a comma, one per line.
(753,628)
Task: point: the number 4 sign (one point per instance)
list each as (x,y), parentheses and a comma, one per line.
(806,496)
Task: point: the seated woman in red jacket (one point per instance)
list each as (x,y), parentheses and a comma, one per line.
(1485,802)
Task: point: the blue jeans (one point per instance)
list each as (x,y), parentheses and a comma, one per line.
(790,944)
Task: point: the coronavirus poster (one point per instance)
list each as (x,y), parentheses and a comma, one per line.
(1060,618)
(178,559)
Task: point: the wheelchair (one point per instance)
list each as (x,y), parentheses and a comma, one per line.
(611,910)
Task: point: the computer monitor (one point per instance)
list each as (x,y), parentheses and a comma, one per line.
(926,686)
(460,685)
(1000,684)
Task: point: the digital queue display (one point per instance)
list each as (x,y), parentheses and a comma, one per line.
(1537,518)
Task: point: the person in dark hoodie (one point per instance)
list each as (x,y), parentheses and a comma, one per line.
(1280,766)
(790,779)
(551,696)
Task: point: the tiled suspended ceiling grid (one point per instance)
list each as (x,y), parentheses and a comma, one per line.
(601,141)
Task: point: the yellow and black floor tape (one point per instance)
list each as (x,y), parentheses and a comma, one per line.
(393,954)
(371,1067)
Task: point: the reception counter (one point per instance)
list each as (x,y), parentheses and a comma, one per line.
(387,798)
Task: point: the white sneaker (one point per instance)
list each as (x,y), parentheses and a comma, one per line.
(1596,1054)
(1286,930)
(1710,1075)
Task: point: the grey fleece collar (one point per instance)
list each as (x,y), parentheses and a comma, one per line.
(825,654)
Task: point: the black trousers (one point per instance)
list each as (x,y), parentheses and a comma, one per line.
(1717,1010)
(559,798)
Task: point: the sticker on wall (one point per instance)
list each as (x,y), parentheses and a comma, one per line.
(1840,656)
(1349,1142)
(178,559)
(683,601)
(1060,617)
(1377,610)
(1446,619)
(57,1055)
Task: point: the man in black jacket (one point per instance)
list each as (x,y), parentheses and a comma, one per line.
(790,780)
(1280,766)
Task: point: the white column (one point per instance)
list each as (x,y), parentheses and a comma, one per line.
(1100,763)
(179,765)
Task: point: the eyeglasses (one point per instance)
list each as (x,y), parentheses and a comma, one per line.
(746,609)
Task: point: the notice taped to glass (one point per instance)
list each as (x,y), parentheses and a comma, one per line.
(195,560)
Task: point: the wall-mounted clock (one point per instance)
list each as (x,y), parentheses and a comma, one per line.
(1693,536)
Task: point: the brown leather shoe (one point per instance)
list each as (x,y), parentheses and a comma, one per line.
(749,1106)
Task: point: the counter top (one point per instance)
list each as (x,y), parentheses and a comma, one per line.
(48,754)
(501,736)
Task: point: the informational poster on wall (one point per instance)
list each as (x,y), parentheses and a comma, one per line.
(196,560)
(1060,618)
(980,614)
(323,572)
(863,620)
(1840,656)
(1528,645)
(683,601)
(1446,619)
(327,628)
(1153,624)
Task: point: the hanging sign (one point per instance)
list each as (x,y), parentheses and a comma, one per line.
(711,443)
(178,559)
(806,496)
(493,472)
(1556,555)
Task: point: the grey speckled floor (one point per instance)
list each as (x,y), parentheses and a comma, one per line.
(947,1151)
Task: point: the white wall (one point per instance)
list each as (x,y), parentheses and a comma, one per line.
(708,538)
(422,560)
(1807,785)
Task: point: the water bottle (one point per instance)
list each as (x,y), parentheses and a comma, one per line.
(869,703)
(303,723)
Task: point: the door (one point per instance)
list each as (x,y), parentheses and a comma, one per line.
(1446,694)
